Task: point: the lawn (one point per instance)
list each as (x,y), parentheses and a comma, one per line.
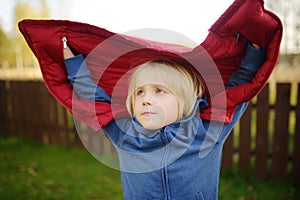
(30,170)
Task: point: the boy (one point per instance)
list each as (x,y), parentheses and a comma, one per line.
(162,148)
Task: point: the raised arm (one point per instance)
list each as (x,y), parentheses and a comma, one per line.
(251,63)
(80,77)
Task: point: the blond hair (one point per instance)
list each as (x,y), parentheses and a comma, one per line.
(185,84)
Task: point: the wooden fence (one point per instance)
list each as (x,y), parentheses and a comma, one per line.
(266,140)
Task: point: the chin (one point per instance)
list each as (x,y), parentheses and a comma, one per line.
(152,127)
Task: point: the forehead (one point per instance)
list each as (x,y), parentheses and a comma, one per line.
(154,74)
(148,79)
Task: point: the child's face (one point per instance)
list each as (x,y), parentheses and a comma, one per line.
(155,106)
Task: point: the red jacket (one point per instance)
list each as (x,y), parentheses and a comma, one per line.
(109,56)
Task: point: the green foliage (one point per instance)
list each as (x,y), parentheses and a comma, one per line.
(13,46)
(23,11)
(6,49)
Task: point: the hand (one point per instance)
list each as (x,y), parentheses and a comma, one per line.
(68,53)
(256,46)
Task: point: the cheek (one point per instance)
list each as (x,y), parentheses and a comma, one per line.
(175,112)
(131,107)
(173,109)
(134,107)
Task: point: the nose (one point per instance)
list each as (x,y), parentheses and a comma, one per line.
(146,103)
(147,100)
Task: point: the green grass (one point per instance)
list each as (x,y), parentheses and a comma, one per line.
(248,187)
(30,170)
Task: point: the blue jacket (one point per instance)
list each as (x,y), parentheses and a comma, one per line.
(180,161)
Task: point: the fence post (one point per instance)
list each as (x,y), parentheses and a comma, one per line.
(19,119)
(262,131)
(296,154)
(245,141)
(281,133)
(5,118)
(228,151)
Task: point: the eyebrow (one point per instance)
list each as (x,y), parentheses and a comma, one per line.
(152,85)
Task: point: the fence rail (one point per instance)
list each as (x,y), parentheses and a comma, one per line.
(266,140)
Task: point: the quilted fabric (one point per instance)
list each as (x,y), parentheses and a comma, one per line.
(111,58)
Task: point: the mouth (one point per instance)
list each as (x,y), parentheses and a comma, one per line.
(147,113)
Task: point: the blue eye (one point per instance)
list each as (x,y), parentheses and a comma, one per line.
(139,92)
(160,91)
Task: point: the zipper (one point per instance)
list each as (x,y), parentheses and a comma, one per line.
(164,164)
(64,40)
(237,37)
